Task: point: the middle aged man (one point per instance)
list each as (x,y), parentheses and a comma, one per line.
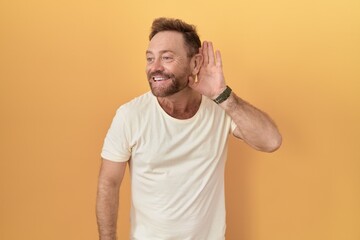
(175,141)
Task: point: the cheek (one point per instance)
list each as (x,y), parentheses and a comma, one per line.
(148,70)
(179,67)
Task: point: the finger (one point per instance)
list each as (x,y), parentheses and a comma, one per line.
(201,53)
(205,53)
(211,53)
(218,58)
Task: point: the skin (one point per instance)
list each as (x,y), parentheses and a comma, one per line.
(253,125)
(107,202)
(167,54)
(179,94)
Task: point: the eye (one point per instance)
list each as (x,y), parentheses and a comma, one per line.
(149,59)
(167,58)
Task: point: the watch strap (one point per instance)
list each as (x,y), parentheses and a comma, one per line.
(223,96)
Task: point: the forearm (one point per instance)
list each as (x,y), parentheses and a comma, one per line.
(107,209)
(253,126)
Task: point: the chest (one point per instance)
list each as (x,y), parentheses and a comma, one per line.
(163,145)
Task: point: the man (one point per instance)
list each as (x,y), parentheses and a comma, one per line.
(175,141)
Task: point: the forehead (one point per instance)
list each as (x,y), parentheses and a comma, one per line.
(167,41)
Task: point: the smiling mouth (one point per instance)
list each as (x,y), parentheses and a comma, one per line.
(158,79)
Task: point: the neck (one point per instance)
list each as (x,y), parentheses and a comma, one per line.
(181,105)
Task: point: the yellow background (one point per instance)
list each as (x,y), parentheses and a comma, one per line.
(65,66)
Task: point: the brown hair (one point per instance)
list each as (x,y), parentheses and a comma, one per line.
(191,38)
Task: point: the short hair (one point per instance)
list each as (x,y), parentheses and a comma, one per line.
(191,37)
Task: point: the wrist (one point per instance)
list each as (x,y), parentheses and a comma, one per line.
(223,96)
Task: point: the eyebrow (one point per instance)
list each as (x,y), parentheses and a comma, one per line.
(161,52)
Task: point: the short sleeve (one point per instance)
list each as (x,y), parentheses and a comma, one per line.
(232,126)
(116,144)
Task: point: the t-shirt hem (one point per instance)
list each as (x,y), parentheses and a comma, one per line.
(109,158)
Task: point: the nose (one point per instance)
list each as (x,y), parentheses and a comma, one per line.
(156,65)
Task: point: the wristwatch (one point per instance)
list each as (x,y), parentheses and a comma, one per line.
(223,96)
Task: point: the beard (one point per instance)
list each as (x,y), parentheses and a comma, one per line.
(172,85)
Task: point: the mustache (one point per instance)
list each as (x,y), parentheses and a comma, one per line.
(150,75)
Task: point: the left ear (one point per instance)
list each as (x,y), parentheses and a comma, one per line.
(196,63)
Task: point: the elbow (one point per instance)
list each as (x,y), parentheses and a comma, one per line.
(266,143)
(270,144)
(273,144)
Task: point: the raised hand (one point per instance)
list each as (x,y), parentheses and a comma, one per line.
(210,80)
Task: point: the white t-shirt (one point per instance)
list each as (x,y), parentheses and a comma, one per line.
(176,168)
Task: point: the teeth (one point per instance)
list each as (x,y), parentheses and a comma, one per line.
(159,78)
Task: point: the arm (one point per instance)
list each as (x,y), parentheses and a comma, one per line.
(253,126)
(107,202)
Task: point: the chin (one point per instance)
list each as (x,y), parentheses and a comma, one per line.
(159,93)
(164,92)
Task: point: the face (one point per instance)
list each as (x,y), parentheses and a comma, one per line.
(168,65)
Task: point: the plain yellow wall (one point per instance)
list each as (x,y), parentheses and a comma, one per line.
(65,66)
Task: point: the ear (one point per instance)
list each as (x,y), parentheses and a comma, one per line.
(197,61)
